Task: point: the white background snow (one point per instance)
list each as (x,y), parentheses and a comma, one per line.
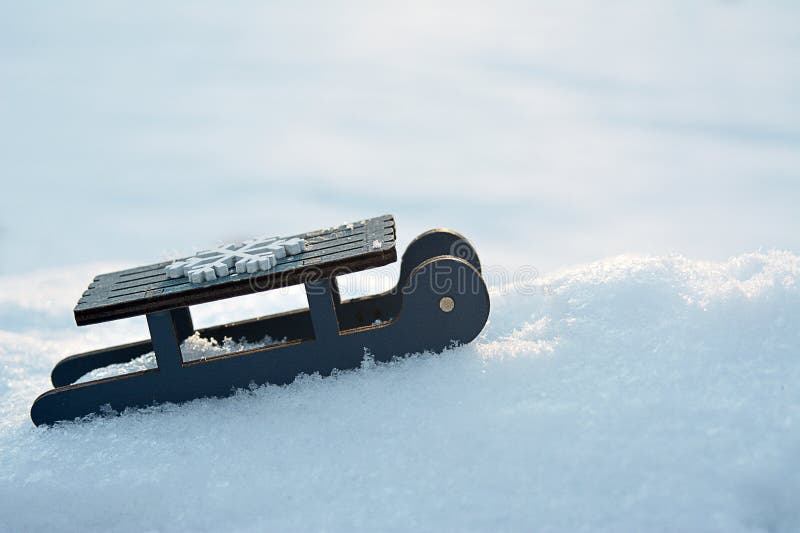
(643,158)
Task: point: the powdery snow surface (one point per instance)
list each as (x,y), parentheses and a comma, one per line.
(631,394)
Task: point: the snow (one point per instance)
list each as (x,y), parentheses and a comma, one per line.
(635,393)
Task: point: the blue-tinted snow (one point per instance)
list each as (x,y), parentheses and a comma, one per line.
(635,393)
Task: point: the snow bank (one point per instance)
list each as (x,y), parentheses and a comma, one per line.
(632,394)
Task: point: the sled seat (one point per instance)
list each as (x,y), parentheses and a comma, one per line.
(328,252)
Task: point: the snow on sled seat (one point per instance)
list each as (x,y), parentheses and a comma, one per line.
(440,300)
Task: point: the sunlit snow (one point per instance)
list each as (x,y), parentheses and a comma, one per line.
(634,393)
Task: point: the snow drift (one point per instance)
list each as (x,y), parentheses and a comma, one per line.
(631,394)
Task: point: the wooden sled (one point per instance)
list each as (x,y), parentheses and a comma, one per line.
(440,300)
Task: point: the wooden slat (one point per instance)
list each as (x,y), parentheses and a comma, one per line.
(147,289)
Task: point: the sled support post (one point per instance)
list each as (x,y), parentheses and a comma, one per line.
(184,326)
(164,332)
(337,296)
(322,303)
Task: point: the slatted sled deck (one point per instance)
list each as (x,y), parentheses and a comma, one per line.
(440,299)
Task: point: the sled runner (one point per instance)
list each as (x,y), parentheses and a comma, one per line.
(440,299)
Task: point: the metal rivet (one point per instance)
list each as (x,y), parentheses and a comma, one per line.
(446,304)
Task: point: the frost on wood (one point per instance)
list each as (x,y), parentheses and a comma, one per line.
(256,255)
